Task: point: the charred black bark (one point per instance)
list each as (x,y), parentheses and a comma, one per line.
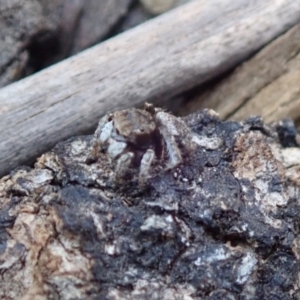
(222,225)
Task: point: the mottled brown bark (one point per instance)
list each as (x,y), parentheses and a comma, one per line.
(221,225)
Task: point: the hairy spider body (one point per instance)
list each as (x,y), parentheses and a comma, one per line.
(136,138)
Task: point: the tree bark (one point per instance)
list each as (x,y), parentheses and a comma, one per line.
(221,225)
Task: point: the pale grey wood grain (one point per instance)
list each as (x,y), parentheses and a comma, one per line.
(159,59)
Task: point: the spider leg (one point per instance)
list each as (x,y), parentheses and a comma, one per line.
(145,166)
(101,135)
(169,130)
(115,149)
(123,165)
(174,155)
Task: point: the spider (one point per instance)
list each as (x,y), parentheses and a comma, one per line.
(135,138)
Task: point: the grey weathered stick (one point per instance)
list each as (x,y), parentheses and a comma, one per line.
(160,58)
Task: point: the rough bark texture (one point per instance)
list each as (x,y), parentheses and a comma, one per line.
(20,22)
(267,84)
(98,17)
(146,63)
(222,225)
(38,33)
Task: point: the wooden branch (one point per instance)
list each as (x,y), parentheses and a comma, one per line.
(279,96)
(159,59)
(266,85)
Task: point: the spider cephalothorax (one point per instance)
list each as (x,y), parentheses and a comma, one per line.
(136,138)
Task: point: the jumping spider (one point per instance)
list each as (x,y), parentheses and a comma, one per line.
(135,138)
